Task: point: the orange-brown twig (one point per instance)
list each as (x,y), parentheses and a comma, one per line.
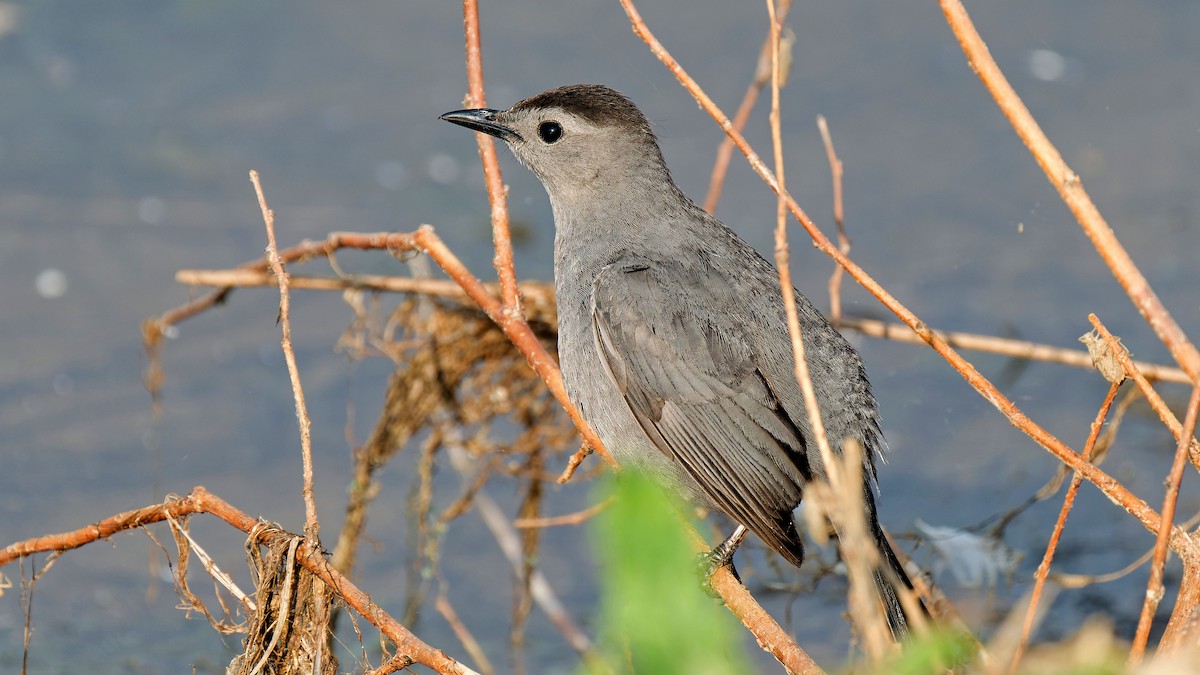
(1070,189)
(1018,349)
(312,526)
(502,240)
(769,634)
(782,264)
(522,336)
(497,193)
(1154,587)
(577,518)
(464,635)
(762,75)
(781,254)
(202,501)
(1068,502)
(839,220)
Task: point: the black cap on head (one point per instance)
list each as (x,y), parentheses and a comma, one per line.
(596,103)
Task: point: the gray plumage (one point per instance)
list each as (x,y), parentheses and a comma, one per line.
(672,336)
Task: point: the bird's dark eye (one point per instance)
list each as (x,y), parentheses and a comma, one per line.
(550,131)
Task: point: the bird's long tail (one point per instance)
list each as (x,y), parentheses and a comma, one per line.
(887,576)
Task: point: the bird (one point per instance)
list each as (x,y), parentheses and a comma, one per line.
(672,334)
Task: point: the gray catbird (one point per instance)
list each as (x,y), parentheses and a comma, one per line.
(672,336)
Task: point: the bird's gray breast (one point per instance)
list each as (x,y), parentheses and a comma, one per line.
(590,385)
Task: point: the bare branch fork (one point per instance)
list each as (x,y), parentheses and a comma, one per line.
(202,501)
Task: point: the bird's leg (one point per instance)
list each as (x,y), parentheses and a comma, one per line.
(719,557)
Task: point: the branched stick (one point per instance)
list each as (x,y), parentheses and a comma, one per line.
(497,196)
(312,527)
(1017,349)
(1070,189)
(425,239)
(1043,569)
(1154,587)
(202,501)
(1137,371)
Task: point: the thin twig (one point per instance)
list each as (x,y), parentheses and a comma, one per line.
(577,518)
(514,327)
(782,254)
(762,75)
(510,545)
(1154,587)
(1018,349)
(497,193)
(312,527)
(1070,189)
(464,635)
(789,292)
(1068,502)
(839,219)
(574,461)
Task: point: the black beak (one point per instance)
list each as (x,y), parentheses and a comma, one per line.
(482,119)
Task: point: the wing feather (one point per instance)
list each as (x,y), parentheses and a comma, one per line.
(707,409)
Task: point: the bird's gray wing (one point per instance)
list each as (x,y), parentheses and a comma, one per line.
(698,394)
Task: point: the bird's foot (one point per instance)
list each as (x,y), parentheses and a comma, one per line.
(708,563)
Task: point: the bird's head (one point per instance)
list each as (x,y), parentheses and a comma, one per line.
(581,140)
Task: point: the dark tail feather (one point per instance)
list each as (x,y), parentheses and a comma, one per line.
(896,617)
(792,546)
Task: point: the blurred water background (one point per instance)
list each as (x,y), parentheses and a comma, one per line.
(127,130)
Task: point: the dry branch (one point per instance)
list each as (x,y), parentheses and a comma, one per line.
(497,193)
(202,501)
(312,526)
(1043,569)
